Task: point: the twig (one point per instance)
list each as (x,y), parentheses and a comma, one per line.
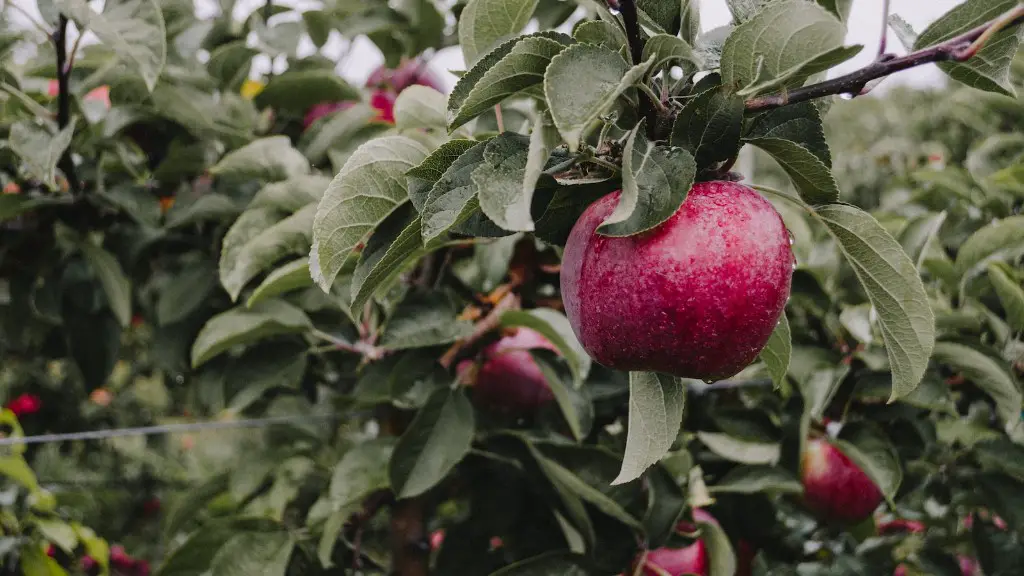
(74,51)
(489,322)
(410,552)
(631,19)
(956,49)
(885,28)
(66,164)
(498,118)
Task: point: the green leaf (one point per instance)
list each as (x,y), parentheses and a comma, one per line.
(800,123)
(904,31)
(299,89)
(568,398)
(743,10)
(549,564)
(989,375)
(244,325)
(285,278)
(436,440)
(369,187)
(669,51)
(14,205)
(207,207)
(261,369)
(554,326)
(35,562)
(709,127)
(1010,295)
(335,130)
(292,194)
(485,23)
(115,284)
(757,479)
(422,320)
(994,241)
(254,554)
(453,198)
(270,159)
(420,107)
(918,233)
(582,84)
(559,474)
(722,559)
(289,236)
(504,195)
(989,69)
(360,472)
(133,29)
(782,46)
(655,182)
(520,69)
(601,33)
(777,351)
(39,150)
(423,177)
(873,452)
(810,176)
(656,403)
(16,469)
(230,63)
(395,245)
(894,288)
(740,450)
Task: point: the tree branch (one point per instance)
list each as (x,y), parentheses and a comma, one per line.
(631,19)
(957,49)
(66,164)
(885,28)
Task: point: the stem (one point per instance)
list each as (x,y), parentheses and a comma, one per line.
(956,49)
(409,549)
(500,120)
(604,164)
(488,323)
(631,19)
(66,164)
(74,51)
(655,99)
(885,28)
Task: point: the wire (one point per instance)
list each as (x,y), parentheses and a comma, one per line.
(160,429)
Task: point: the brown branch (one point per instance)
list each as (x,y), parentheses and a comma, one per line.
(631,19)
(410,551)
(66,164)
(489,322)
(957,49)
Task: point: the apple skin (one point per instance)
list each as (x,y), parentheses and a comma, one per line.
(695,297)
(409,73)
(509,380)
(692,559)
(834,487)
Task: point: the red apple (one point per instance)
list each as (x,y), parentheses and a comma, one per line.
(25,404)
(436,539)
(409,73)
(318,111)
(692,559)
(384,103)
(745,554)
(968,565)
(508,379)
(120,559)
(901,525)
(696,297)
(834,487)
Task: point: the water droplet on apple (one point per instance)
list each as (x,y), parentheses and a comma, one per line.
(790,235)
(794,264)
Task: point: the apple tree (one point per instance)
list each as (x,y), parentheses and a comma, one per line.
(613,305)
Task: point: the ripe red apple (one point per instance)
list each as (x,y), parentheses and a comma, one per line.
(696,297)
(834,487)
(692,559)
(968,565)
(409,73)
(508,379)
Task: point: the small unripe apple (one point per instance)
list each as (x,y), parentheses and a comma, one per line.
(696,297)
(834,487)
(508,379)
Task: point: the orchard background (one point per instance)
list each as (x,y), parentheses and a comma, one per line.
(271,322)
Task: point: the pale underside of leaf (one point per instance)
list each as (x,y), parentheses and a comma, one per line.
(656,404)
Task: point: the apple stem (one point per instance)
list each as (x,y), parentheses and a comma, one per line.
(957,49)
(66,164)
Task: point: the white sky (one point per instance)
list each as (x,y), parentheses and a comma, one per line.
(864,28)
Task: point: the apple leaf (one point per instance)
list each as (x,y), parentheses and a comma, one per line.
(39,150)
(395,245)
(543,140)
(424,319)
(296,90)
(989,69)
(810,176)
(420,107)
(709,127)
(758,479)
(656,404)
(555,563)
(581,85)
(721,558)
(743,10)
(894,287)
(669,51)
(918,233)
(904,31)
(776,352)
(334,130)
(655,182)
(289,236)
(485,23)
(800,123)
(499,179)
(285,278)
(423,176)
(996,240)
(270,159)
(782,46)
(368,188)
(186,292)
(254,554)
(873,452)
(437,439)
(244,325)
(575,407)
(116,285)
(453,198)
(740,450)
(522,68)
(134,30)
(989,375)
(554,326)
(1010,295)
(601,33)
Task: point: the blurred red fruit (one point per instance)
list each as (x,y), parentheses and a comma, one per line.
(834,487)
(436,539)
(745,554)
(968,565)
(509,380)
(50,550)
(900,570)
(25,404)
(151,506)
(901,525)
(318,111)
(120,559)
(141,568)
(12,188)
(411,72)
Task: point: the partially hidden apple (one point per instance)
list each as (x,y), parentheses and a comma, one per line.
(968,567)
(835,488)
(692,559)
(508,379)
(695,297)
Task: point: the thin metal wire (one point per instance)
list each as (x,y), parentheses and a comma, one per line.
(160,429)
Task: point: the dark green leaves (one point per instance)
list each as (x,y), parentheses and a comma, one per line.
(582,84)
(269,159)
(241,326)
(777,350)
(554,326)
(655,182)
(505,196)
(485,23)
(424,319)
(782,46)
(989,375)
(438,438)
(39,149)
(656,404)
(709,127)
(894,287)
(989,69)
(488,83)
